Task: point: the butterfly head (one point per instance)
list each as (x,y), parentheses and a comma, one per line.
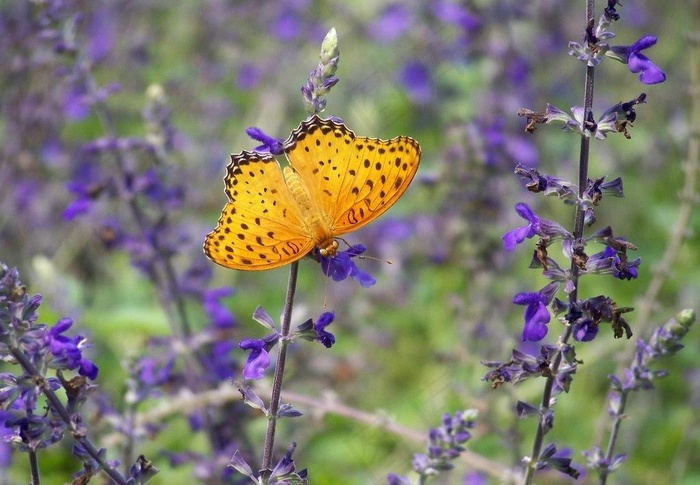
(328,249)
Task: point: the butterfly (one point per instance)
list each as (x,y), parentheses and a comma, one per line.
(335,182)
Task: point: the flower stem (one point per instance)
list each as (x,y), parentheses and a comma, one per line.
(34,467)
(584,155)
(279,368)
(619,415)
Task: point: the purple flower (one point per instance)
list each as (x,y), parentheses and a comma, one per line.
(535,226)
(518,235)
(269,144)
(341,266)
(326,338)
(285,470)
(609,261)
(649,73)
(585,330)
(259,359)
(536,314)
(67,351)
(558,460)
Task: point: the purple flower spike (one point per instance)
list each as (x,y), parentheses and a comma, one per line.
(649,73)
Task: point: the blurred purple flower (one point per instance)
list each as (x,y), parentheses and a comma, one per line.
(455,14)
(286,26)
(391,23)
(76,103)
(220,362)
(151,372)
(518,70)
(248,77)
(219,315)
(88,184)
(150,184)
(649,73)
(417,80)
(474,478)
(101,31)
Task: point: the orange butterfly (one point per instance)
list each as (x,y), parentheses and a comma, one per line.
(335,182)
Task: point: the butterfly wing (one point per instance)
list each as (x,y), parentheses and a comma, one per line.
(355,179)
(260,227)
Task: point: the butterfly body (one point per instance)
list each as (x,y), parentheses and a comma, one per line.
(335,183)
(314,221)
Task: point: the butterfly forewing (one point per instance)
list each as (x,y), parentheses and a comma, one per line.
(260,228)
(318,151)
(355,179)
(379,172)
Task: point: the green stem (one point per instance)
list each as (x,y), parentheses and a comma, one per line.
(279,368)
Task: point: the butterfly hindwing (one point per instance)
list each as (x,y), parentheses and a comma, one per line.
(260,228)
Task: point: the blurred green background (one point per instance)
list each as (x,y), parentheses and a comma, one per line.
(410,348)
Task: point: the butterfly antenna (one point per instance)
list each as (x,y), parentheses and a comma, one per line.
(387,261)
(362,256)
